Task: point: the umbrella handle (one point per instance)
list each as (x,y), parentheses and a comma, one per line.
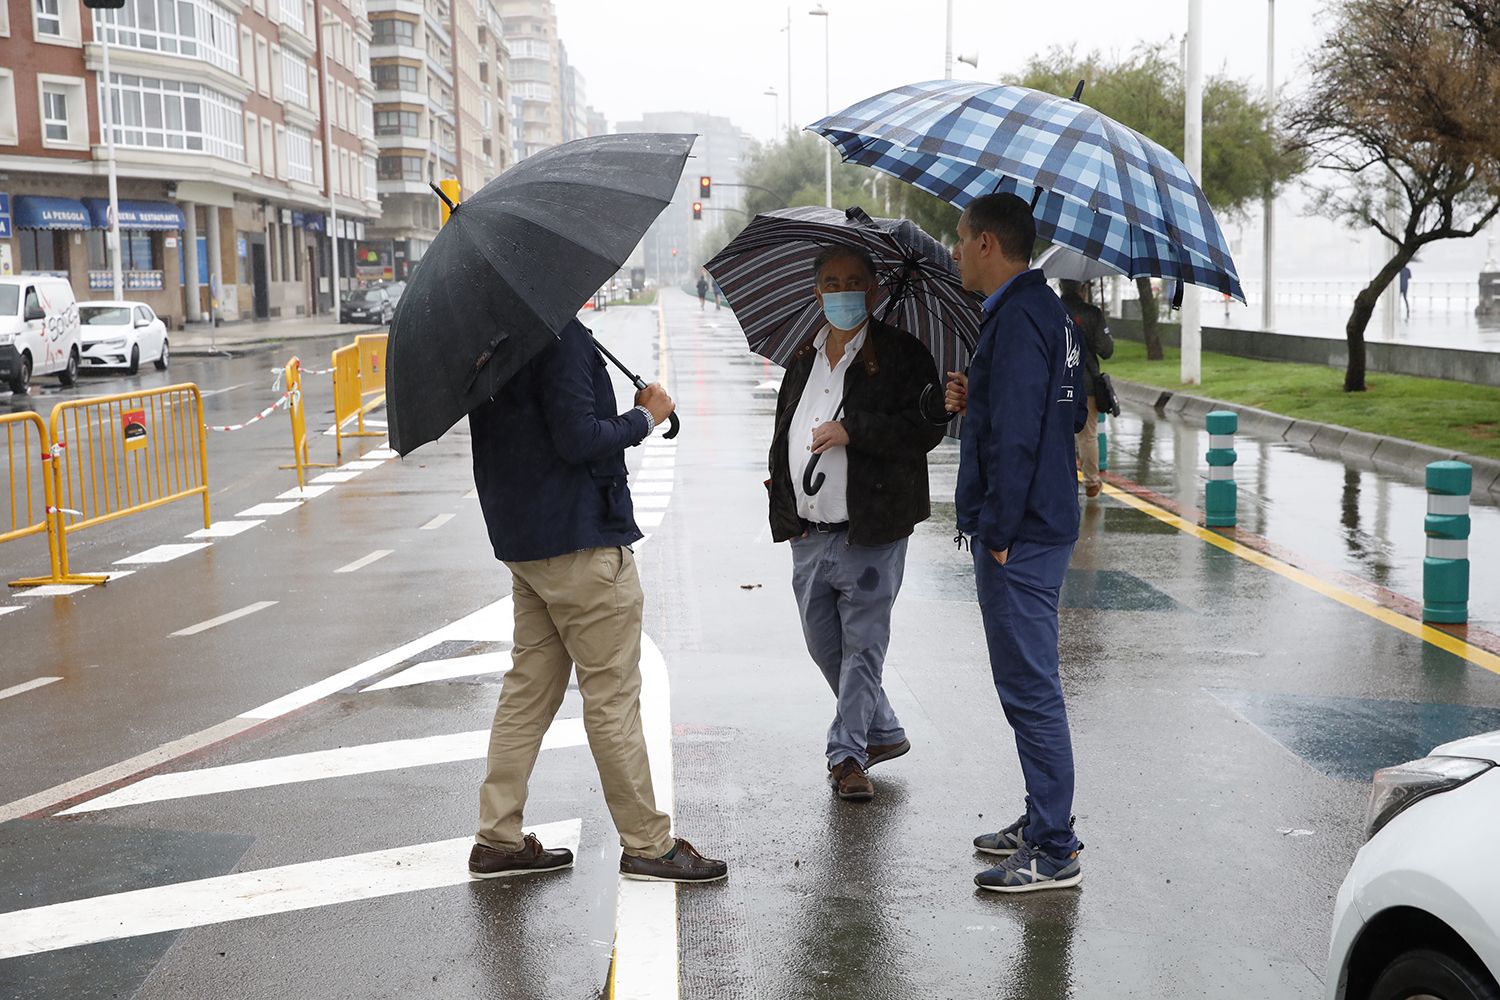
(810,484)
(673,424)
(922,406)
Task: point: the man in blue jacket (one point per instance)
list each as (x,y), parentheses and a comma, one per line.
(1017,499)
(549,464)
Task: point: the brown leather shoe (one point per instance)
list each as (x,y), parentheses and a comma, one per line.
(486,862)
(877,752)
(851,781)
(681,864)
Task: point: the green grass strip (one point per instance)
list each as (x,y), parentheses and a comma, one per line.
(1449,415)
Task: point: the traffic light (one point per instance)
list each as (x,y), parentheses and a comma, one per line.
(705,187)
(104,4)
(674,251)
(697,211)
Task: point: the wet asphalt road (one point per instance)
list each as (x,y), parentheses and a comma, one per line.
(1226,722)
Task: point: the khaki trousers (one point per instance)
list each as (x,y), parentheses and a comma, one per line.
(1087,442)
(578,610)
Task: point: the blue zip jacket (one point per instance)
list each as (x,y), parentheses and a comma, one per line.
(1016,475)
(549,455)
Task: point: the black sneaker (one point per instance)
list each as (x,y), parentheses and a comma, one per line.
(486,862)
(681,864)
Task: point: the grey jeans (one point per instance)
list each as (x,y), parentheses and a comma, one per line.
(845,594)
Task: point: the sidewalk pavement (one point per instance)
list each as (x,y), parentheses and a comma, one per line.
(202,340)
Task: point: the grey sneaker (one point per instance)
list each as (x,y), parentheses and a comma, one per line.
(1030,870)
(1003,843)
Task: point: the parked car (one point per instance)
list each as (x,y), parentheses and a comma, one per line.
(38,330)
(367,305)
(117,334)
(1419,914)
(394,289)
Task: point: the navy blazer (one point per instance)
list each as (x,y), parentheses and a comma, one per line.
(549,455)
(1016,475)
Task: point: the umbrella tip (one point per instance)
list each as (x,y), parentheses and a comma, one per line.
(1078,90)
(443,195)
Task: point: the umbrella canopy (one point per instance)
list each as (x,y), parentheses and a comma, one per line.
(1063,264)
(766,273)
(1094,185)
(513,265)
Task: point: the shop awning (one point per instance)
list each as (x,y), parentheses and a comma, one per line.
(137,214)
(35,212)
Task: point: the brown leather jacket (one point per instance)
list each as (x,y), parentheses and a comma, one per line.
(889,437)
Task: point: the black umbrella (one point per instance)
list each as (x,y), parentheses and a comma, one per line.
(513,265)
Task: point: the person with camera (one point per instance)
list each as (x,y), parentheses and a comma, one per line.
(1088,320)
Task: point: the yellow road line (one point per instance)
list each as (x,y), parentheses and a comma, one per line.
(1479,657)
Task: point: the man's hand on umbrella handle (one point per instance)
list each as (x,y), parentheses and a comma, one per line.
(829,435)
(655,399)
(956,398)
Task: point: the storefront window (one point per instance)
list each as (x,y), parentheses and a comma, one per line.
(43,250)
(137,250)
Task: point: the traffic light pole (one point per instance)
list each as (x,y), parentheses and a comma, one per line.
(116,266)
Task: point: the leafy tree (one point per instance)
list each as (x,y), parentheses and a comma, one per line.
(1242,154)
(1404,110)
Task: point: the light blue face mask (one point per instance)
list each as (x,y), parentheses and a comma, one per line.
(845,310)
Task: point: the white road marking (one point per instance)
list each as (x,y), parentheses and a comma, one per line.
(337,476)
(392,755)
(269,509)
(364,561)
(8,610)
(437,522)
(443,670)
(646,916)
(658,461)
(251,894)
(224,529)
(53,590)
(224,619)
(472,494)
(163,553)
(492,623)
(32,685)
(214,392)
(649,518)
(119,574)
(380,453)
(363,465)
(370,422)
(652,486)
(655,475)
(775,386)
(304,492)
(649,500)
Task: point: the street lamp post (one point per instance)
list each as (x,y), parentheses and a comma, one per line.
(775,110)
(1192,328)
(789,118)
(333,205)
(822,12)
(116,266)
(1268,250)
(948,51)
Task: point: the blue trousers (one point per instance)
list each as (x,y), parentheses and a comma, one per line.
(1018,602)
(845,594)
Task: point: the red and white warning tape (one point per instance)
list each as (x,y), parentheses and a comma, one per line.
(263,414)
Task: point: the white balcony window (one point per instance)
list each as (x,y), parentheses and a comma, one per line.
(167,114)
(294,78)
(292,16)
(55,115)
(197,29)
(49,18)
(299,155)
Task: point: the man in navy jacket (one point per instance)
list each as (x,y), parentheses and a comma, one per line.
(1017,498)
(549,464)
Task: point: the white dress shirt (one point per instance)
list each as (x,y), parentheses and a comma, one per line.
(820,400)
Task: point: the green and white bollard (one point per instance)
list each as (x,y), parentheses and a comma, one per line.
(1220,496)
(1103,445)
(1445,571)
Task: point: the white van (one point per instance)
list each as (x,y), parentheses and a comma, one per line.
(39,331)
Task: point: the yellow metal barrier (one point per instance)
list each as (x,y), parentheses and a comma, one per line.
(371,362)
(299,424)
(348,396)
(113,456)
(30,508)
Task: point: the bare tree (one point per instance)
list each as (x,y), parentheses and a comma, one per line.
(1404,110)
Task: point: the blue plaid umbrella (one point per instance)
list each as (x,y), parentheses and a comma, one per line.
(1094,185)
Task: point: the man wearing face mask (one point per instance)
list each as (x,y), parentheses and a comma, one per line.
(852,397)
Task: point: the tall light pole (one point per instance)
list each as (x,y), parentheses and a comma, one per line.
(116,266)
(775,110)
(333,205)
(1268,209)
(1192,148)
(948,51)
(789,118)
(821,11)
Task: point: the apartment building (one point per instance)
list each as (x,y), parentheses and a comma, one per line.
(218,120)
(536,80)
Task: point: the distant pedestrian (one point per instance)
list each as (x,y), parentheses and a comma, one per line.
(1405,284)
(702,292)
(549,464)
(718,297)
(852,396)
(1089,322)
(1017,498)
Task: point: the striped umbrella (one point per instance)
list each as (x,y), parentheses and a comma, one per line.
(766,273)
(1094,185)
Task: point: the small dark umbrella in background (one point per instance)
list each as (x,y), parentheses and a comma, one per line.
(513,265)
